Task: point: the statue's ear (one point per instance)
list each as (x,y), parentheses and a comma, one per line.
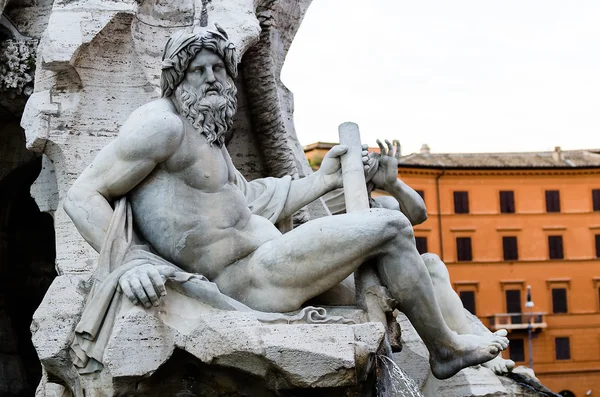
(221,30)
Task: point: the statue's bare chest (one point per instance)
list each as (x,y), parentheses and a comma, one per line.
(199,165)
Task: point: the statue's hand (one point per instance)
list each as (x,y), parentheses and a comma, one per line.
(145,284)
(331,166)
(387,171)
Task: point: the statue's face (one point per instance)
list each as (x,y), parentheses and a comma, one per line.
(206,69)
(206,96)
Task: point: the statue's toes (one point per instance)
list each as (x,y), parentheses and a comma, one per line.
(502,341)
(510,365)
(501,332)
(494,349)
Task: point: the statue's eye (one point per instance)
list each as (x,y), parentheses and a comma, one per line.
(218,68)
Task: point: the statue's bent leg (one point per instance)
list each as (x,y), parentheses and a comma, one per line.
(450,304)
(285,272)
(402,270)
(453,311)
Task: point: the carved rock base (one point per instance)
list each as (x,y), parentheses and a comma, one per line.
(163,351)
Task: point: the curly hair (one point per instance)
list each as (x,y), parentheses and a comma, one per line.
(182,47)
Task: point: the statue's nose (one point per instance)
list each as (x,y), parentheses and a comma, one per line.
(210,76)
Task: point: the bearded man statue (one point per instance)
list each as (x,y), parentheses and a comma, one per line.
(164,201)
(209,106)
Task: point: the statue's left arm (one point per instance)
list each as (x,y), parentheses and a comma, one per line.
(327,178)
(278,198)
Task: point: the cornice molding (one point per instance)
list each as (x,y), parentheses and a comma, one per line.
(494,172)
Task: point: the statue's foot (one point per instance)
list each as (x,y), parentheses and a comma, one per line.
(499,365)
(466,351)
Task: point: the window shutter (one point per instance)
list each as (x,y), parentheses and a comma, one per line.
(509,246)
(461,202)
(552,201)
(555,247)
(559,300)
(507,202)
(562,347)
(468,300)
(463,249)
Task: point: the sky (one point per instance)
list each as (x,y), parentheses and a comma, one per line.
(460,75)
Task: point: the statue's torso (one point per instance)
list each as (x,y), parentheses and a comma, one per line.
(193,214)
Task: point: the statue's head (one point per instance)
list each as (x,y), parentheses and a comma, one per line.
(198,68)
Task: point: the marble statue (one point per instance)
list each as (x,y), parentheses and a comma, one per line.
(187,212)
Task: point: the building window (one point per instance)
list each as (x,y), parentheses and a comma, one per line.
(513,305)
(463,249)
(597,245)
(563,348)
(555,247)
(421,244)
(559,300)
(507,202)
(421,193)
(517,349)
(468,300)
(461,202)
(596,199)
(552,201)
(509,246)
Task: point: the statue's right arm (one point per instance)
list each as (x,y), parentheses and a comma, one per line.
(144,141)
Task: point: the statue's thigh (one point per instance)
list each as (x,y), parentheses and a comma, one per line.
(318,255)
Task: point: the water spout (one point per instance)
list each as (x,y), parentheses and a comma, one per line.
(392,381)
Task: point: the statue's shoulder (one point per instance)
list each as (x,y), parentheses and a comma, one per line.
(159,114)
(155,126)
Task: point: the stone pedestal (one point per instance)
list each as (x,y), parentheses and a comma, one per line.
(152,349)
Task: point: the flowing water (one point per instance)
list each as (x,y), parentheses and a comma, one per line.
(392,381)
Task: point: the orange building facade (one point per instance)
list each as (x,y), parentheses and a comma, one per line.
(503,222)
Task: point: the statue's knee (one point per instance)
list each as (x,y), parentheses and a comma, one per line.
(399,225)
(436,268)
(431,259)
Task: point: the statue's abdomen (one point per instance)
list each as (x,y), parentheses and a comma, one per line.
(200,232)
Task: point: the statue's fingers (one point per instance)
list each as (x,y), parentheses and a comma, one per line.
(149,289)
(381,147)
(139,292)
(337,151)
(364,146)
(390,148)
(365,160)
(166,271)
(397,149)
(157,281)
(126,288)
(364,153)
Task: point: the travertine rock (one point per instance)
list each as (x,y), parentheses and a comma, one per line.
(54,324)
(282,355)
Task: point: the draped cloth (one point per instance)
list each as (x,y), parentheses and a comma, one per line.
(119,253)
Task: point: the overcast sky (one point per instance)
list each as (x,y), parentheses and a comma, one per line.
(460,75)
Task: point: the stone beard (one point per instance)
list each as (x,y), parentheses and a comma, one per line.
(210,110)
